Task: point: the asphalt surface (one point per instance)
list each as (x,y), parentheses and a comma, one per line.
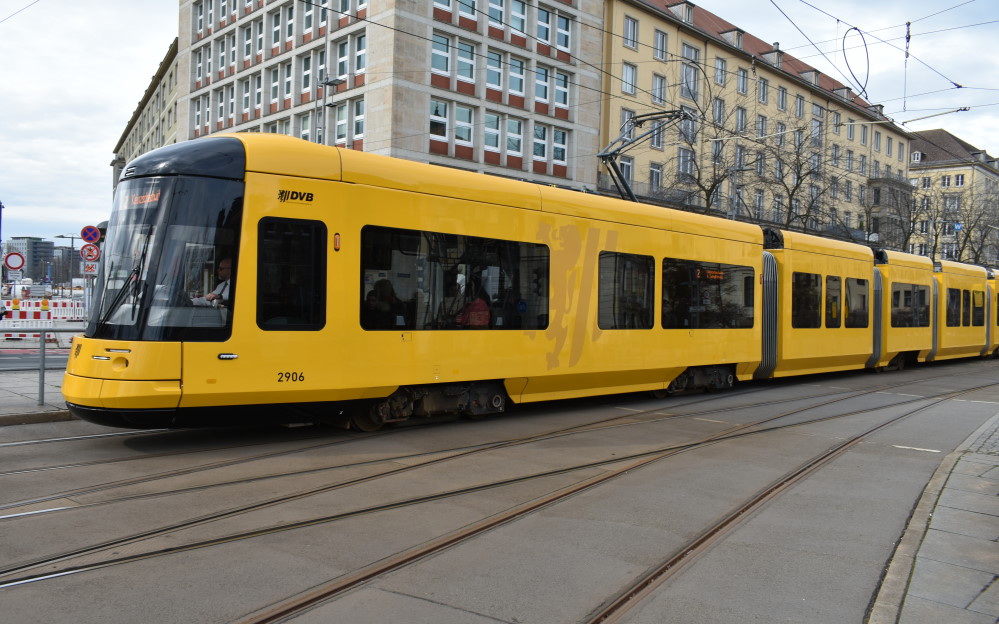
(945,567)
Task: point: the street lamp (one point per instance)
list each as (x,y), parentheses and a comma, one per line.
(72,255)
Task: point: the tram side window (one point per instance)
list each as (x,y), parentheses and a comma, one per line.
(978,308)
(834,306)
(420,280)
(909,305)
(626,287)
(966,309)
(806,300)
(707,295)
(291,274)
(857,294)
(953,307)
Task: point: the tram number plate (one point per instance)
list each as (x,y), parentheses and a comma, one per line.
(285,376)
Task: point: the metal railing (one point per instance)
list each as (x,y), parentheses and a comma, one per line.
(42,332)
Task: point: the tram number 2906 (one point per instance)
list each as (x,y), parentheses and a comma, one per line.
(290,377)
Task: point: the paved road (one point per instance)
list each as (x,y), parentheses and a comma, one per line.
(20,358)
(815,554)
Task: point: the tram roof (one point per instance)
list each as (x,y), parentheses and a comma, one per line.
(830,247)
(283,155)
(899,258)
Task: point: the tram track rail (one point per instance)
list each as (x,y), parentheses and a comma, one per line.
(635,461)
(613,609)
(451,453)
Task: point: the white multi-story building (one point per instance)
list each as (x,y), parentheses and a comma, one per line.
(154,122)
(501,87)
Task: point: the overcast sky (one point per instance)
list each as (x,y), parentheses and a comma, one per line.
(73,72)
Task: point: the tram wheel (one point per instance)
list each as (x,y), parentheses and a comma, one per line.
(365,421)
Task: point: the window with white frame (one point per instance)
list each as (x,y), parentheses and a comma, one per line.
(466,61)
(685,163)
(721,71)
(496,13)
(491,131)
(761,126)
(658,133)
(688,125)
(658,89)
(246,91)
(340,124)
(562,89)
(626,116)
(542,83)
(440,59)
(467,9)
(659,45)
(464,118)
(718,111)
(863,135)
(518,16)
(288,70)
(629,76)
(689,77)
(799,106)
(627,164)
(306,65)
(762,90)
(514,136)
(540,142)
(360,53)
(515,75)
(439,119)
(742,81)
(247,43)
(630,32)
(740,119)
(655,177)
(563,32)
(258,91)
(275,84)
(494,70)
(959,179)
(305,126)
(782,98)
(837,122)
(275,28)
(308,16)
(359,118)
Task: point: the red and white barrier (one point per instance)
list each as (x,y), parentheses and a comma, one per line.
(38,313)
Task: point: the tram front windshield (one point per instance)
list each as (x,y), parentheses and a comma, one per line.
(166,240)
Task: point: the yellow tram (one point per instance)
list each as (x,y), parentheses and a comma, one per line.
(375,289)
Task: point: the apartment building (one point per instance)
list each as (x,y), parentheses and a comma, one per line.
(502,87)
(752,133)
(956,199)
(154,122)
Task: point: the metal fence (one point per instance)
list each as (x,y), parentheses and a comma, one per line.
(42,346)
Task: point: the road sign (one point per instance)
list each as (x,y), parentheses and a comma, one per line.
(14,276)
(90,234)
(14,261)
(90,252)
(90,268)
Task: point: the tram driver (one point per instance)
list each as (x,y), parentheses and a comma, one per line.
(219,296)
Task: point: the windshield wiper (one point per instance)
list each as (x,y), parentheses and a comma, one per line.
(133,276)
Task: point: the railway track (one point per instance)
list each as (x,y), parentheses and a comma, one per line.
(635,461)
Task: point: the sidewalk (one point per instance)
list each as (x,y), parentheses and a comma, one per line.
(946,566)
(19,398)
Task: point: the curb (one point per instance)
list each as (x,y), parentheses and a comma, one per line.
(39,417)
(887,606)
